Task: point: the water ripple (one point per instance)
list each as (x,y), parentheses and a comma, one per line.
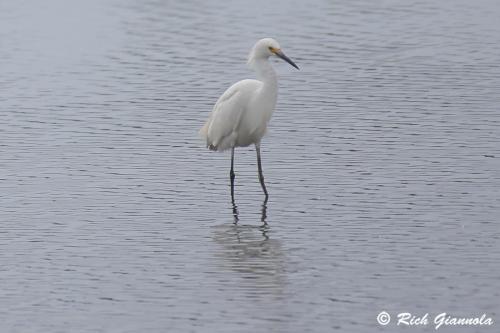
(382,162)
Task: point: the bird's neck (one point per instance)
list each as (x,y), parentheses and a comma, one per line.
(265,72)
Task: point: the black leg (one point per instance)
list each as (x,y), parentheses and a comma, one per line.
(235,212)
(263,212)
(259,165)
(231,174)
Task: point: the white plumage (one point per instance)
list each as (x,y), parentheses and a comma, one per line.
(230,124)
(240,116)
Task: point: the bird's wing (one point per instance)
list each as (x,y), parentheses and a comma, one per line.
(226,115)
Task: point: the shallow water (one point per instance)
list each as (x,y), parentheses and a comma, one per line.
(382,163)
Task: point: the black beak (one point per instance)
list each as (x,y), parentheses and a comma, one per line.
(280,54)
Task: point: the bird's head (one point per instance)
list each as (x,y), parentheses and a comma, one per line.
(268,47)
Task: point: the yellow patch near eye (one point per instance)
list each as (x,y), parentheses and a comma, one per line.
(273,50)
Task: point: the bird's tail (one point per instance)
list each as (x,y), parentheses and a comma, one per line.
(203,132)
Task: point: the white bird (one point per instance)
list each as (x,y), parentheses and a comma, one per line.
(240,116)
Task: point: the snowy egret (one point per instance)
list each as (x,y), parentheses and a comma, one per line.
(240,116)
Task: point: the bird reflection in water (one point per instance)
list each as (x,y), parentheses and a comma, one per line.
(257,259)
(263,211)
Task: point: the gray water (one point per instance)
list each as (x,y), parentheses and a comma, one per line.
(382,162)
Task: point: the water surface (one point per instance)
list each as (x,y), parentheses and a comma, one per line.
(382,163)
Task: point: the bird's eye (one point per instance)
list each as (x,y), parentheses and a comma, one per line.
(270,48)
